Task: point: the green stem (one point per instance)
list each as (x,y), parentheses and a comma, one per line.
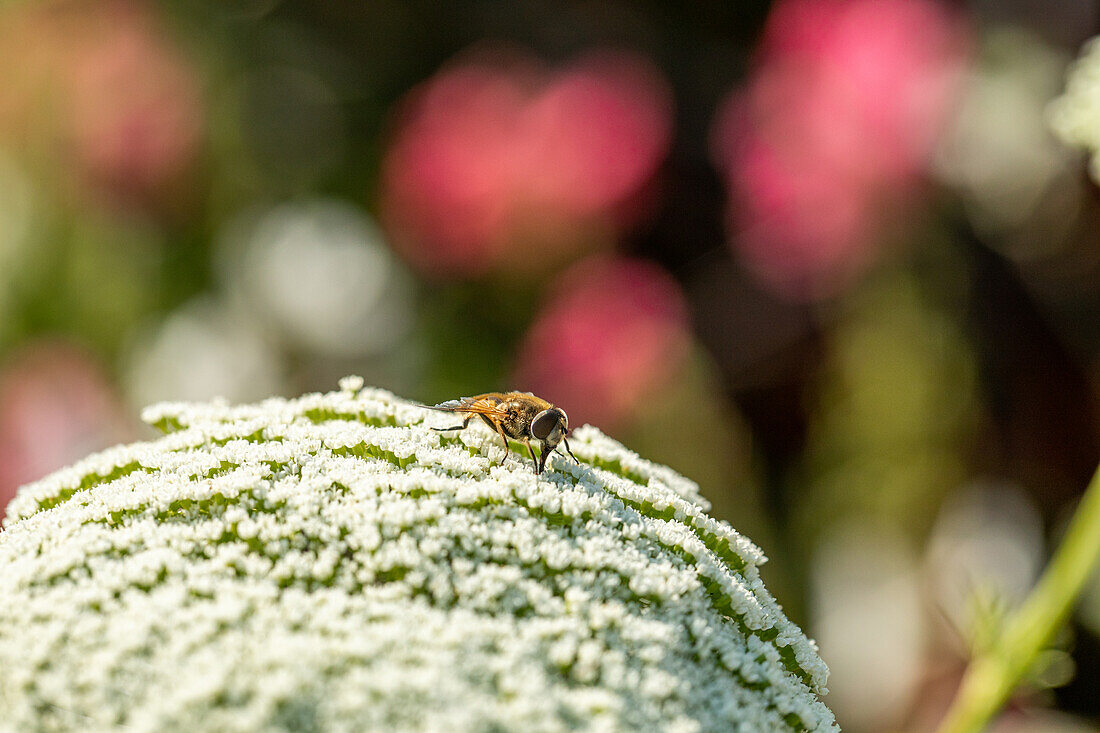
(992,677)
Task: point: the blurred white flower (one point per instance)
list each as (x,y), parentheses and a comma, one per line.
(999,152)
(319,273)
(1075,116)
(203,350)
(867,602)
(332,563)
(986,546)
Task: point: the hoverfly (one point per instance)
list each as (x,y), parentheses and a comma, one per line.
(517,415)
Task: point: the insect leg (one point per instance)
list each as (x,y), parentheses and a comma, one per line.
(531,451)
(457,427)
(500,432)
(569,450)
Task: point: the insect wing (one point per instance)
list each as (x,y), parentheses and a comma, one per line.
(448,406)
(473,406)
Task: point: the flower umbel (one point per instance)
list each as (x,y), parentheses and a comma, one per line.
(331,563)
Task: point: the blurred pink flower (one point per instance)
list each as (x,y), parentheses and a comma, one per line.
(833,133)
(613,333)
(56,406)
(102,96)
(498,161)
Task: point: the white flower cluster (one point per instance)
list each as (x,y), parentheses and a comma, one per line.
(331,564)
(1075,116)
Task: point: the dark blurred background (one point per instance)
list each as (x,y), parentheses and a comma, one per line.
(825,258)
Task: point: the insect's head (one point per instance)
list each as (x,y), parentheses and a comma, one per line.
(549,427)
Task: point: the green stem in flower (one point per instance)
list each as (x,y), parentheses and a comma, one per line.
(992,677)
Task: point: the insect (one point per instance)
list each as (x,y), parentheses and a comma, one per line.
(517,415)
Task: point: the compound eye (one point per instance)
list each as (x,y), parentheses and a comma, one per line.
(544,423)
